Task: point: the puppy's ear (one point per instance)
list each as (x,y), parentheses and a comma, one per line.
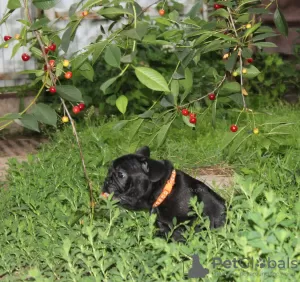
(155,169)
(143,151)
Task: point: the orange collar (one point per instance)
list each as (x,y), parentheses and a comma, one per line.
(167,190)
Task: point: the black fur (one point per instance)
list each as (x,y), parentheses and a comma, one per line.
(137,181)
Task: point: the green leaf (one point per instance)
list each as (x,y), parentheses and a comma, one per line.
(79,60)
(194,10)
(252,72)
(97,49)
(147,114)
(69,92)
(24,22)
(87,71)
(137,33)
(122,103)
(66,38)
(107,84)
(247,53)
(152,79)
(44,4)
(175,88)
(263,36)
(231,61)
(112,56)
(186,120)
(252,29)
(39,23)
(16,49)
(230,88)
(11,116)
(265,44)
(280,22)
(28,121)
(162,133)
(220,13)
(45,114)
(59,69)
(13,4)
(113,12)
(37,52)
(6,16)
(202,38)
(174,16)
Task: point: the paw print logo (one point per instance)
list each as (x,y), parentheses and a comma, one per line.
(197,270)
(260,263)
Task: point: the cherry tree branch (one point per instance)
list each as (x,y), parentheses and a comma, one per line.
(53,80)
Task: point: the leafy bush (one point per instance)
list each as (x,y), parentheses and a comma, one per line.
(48,234)
(277,78)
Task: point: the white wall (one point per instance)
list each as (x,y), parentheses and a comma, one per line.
(87,32)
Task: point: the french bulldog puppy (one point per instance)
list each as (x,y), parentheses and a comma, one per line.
(139,183)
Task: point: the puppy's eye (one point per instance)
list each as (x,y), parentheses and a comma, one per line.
(121,174)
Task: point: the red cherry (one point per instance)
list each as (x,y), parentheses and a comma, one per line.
(68,75)
(46,49)
(185,112)
(161,12)
(25,57)
(218,6)
(211,96)
(234,128)
(76,110)
(192,115)
(52,89)
(81,106)
(7,37)
(193,120)
(52,47)
(52,63)
(250,60)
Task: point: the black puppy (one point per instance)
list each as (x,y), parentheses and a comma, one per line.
(139,182)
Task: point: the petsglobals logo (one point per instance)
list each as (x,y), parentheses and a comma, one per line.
(221,266)
(250,263)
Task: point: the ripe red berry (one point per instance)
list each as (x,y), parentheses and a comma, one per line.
(212,96)
(68,75)
(7,37)
(52,89)
(193,120)
(25,57)
(192,115)
(161,12)
(81,106)
(52,63)
(52,47)
(185,112)
(218,6)
(250,60)
(76,110)
(234,128)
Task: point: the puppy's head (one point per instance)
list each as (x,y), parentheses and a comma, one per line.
(131,177)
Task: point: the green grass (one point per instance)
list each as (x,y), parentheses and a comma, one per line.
(47,233)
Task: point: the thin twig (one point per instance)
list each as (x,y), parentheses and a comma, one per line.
(202,97)
(241,60)
(53,80)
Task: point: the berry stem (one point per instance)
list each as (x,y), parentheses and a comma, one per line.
(214,91)
(240,55)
